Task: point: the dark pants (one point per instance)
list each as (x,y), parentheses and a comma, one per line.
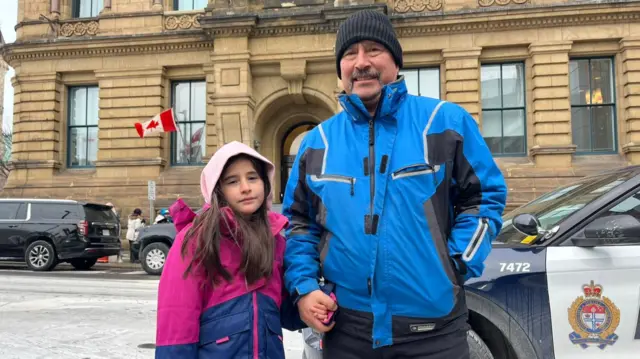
(351,339)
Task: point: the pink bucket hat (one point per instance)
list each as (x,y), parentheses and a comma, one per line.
(213,170)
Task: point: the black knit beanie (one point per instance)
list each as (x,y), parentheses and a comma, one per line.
(367,25)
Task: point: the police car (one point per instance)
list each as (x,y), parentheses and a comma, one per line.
(563,278)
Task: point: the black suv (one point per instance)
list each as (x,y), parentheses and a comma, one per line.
(45,232)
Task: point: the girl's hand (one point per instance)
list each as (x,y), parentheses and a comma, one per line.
(319,311)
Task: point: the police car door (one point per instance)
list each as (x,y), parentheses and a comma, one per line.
(594,285)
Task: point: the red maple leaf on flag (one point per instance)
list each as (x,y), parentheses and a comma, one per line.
(152,125)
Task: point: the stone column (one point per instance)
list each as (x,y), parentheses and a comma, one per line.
(630,56)
(233,99)
(462,78)
(55,9)
(552,145)
(36,127)
(128,96)
(157,5)
(107,5)
(211,130)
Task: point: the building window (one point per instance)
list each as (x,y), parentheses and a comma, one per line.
(423,82)
(190,106)
(82,126)
(593,108)
(189,4)
(503,108)
(87,8)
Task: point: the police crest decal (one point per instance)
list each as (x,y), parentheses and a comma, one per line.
(594,318)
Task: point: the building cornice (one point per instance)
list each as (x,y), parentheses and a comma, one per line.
(106,46)
(320,21)
(511,17)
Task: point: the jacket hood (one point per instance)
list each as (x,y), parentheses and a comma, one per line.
(213,170)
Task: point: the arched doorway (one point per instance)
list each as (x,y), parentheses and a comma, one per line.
(289,150)
(278,117)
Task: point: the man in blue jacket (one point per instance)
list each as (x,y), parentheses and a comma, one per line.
(395,202)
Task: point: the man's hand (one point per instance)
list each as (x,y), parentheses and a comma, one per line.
(313,308)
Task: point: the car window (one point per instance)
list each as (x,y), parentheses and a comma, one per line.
(54,211)
(630,206)
(9,211)
(556,206)
(613,222)
(97,213)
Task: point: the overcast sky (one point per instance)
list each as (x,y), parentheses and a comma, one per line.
(8,20)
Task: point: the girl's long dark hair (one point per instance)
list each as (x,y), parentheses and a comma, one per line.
(252,233)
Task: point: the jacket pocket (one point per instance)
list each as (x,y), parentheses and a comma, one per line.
(476,239)
(336,178)
(227,337)
(414,170)
(274,346)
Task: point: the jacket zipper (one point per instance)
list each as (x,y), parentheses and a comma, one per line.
(372,163)
(476,240)
(420,169)
(255,326)
(371,220)
(335,178)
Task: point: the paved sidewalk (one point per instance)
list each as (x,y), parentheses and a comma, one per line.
(122,262)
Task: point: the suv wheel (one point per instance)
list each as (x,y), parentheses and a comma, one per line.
(153,257)
(41,256)
(477,348)
(83,264)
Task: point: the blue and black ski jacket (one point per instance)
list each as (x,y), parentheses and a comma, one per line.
(397,210)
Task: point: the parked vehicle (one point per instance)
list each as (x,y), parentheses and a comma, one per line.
(45,232)
(563,277)
(151,246)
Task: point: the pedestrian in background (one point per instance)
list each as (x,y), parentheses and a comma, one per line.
(395,202)
(221,293)
(134,223)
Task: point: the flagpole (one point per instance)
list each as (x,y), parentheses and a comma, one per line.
(184,141)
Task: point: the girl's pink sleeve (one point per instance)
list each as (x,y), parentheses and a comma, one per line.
(179,307)
(181,214)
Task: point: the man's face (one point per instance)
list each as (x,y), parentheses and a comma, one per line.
(365,67)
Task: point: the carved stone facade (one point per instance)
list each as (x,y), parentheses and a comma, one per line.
(269,70)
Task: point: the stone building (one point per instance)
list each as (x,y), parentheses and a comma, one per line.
(3,150)
(3,72)
(554,85)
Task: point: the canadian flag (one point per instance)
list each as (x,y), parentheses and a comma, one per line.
(162,122)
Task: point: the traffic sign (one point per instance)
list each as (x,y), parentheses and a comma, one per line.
(151,189)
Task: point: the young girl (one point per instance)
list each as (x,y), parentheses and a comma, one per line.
(220,293)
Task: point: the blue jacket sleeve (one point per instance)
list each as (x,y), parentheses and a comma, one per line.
(480,195)
(301,259)
(289,315)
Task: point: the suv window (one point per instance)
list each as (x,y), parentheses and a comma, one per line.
(54,211)
(97,213)
(9,210)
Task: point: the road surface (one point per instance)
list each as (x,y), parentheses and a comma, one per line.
(97,314)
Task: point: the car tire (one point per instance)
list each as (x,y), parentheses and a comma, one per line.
(477,348)
(83,264)
(41,256)
(153,257)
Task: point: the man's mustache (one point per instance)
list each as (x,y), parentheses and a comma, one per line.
(372,74)
(368,74)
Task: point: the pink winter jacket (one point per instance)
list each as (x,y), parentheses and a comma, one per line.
(233,320)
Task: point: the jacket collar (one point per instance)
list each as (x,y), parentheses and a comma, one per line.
(392,96)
